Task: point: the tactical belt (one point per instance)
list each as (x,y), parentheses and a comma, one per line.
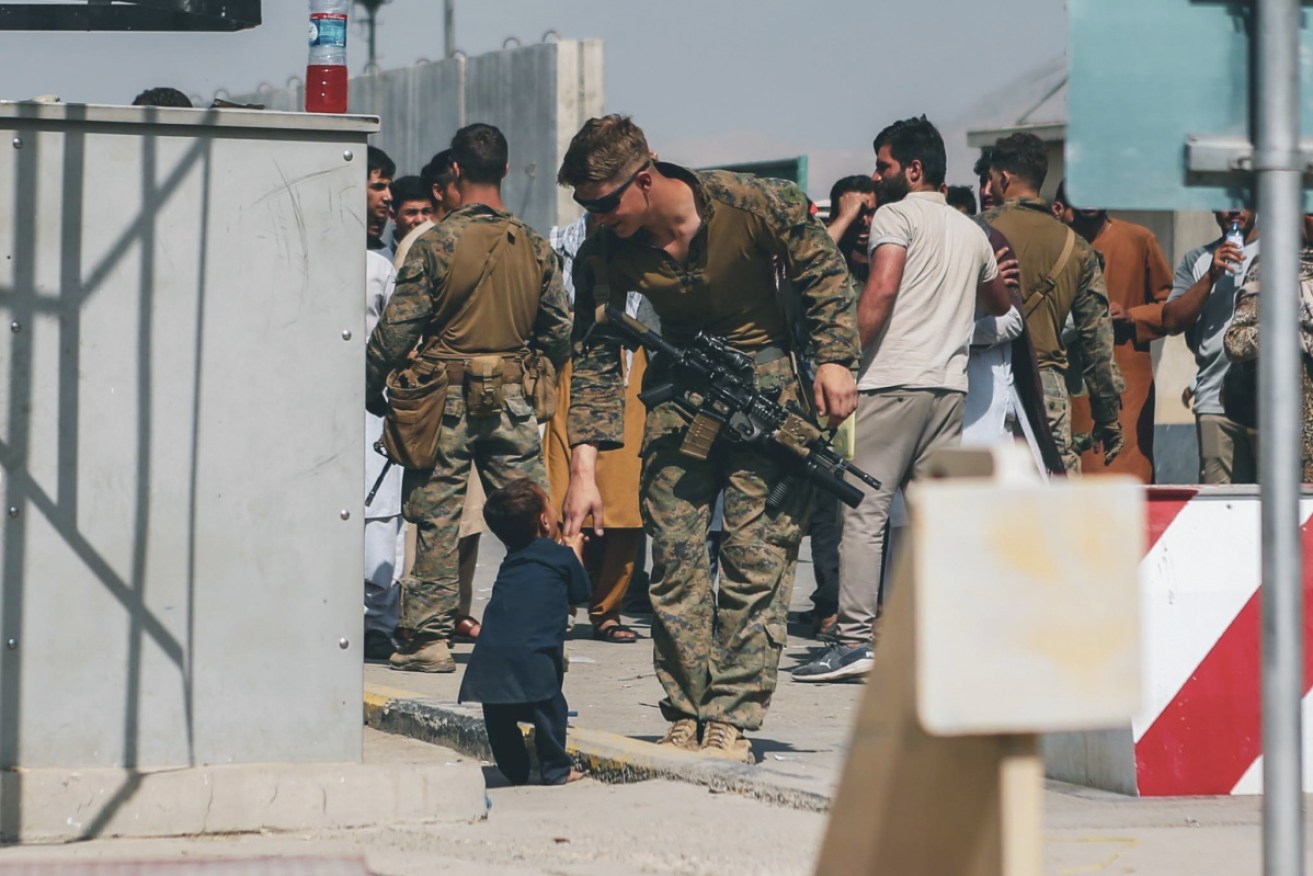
(512,369)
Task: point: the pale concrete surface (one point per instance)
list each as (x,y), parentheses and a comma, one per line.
(675,829)
(401,782)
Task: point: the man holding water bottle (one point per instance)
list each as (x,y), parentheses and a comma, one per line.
(1201,305)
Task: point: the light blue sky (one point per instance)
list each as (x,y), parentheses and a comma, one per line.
(711,80)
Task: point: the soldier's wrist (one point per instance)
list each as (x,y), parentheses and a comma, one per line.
(1105,412)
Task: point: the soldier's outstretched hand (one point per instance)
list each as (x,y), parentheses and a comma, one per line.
(836,393)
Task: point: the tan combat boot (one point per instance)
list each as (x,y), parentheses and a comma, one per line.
(683,734)
(428,657)
(727,741)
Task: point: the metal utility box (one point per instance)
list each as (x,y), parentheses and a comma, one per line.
(181,401)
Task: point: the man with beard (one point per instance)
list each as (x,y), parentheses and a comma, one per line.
(1138,281)
(852,204)
(930,265)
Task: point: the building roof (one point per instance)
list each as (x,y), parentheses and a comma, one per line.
(1035,102)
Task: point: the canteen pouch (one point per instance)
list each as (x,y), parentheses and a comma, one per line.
(540,385)
(416,398)
(483,382)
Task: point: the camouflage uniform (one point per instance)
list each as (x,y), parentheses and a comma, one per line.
(1037,239)
(716,655)
(512,313)
(1241,343)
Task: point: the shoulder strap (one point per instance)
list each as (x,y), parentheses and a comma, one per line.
(1067,247)
(1049,281)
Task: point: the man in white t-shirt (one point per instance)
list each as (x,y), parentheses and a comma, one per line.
(930,265)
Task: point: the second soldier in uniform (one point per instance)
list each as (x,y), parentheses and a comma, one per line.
(478,294)
(1060,275)
(703,247)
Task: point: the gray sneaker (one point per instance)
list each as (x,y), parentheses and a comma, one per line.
(839,662)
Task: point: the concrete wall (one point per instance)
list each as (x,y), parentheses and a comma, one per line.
(539,96)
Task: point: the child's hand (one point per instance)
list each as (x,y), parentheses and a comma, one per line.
(574,542)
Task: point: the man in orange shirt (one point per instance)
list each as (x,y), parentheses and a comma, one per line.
(1139,280)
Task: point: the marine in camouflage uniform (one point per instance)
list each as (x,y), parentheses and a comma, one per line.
(716,655)
(521,307)
(1038,240)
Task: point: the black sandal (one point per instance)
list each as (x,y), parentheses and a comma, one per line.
(615,632)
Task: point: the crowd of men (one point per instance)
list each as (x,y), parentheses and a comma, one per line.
(909,320)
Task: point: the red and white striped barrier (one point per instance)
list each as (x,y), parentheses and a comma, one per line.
(1199,731)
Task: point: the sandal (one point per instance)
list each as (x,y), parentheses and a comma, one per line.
(467,628)
(615,632)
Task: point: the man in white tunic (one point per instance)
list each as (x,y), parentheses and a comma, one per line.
(383,542)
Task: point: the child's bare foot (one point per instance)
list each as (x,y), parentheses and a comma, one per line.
(574,776)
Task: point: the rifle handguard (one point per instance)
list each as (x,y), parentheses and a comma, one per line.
(797,435)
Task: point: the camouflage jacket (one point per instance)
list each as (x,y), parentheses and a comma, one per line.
(727,287)
(521,306)
(1037,240)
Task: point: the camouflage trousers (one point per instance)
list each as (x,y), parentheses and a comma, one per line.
(501,448)
(716,651)
(1057,407)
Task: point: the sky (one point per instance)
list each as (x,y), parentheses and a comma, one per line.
(709,80)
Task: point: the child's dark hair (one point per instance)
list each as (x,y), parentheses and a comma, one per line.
(512,512)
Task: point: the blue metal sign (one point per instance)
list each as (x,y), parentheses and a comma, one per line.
(1147,78)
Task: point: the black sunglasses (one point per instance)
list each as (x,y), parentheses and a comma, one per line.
(609,202)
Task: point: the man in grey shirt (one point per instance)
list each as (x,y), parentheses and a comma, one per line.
(1201,305)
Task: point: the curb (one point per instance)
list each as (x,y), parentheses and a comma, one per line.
(608,757)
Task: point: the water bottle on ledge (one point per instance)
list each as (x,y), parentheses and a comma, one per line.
(325,71)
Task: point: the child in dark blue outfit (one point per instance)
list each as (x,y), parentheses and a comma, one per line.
(519,658)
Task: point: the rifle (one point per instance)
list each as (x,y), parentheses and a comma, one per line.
(724,380)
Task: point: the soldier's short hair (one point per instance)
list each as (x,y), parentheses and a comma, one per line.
(481,152)
(377,159)
(916,140)
(603,150)
(512,512)
(981,168)
(1023,156)
(408,188)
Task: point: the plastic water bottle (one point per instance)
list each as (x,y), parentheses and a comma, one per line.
(1236,238)
(325,71)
